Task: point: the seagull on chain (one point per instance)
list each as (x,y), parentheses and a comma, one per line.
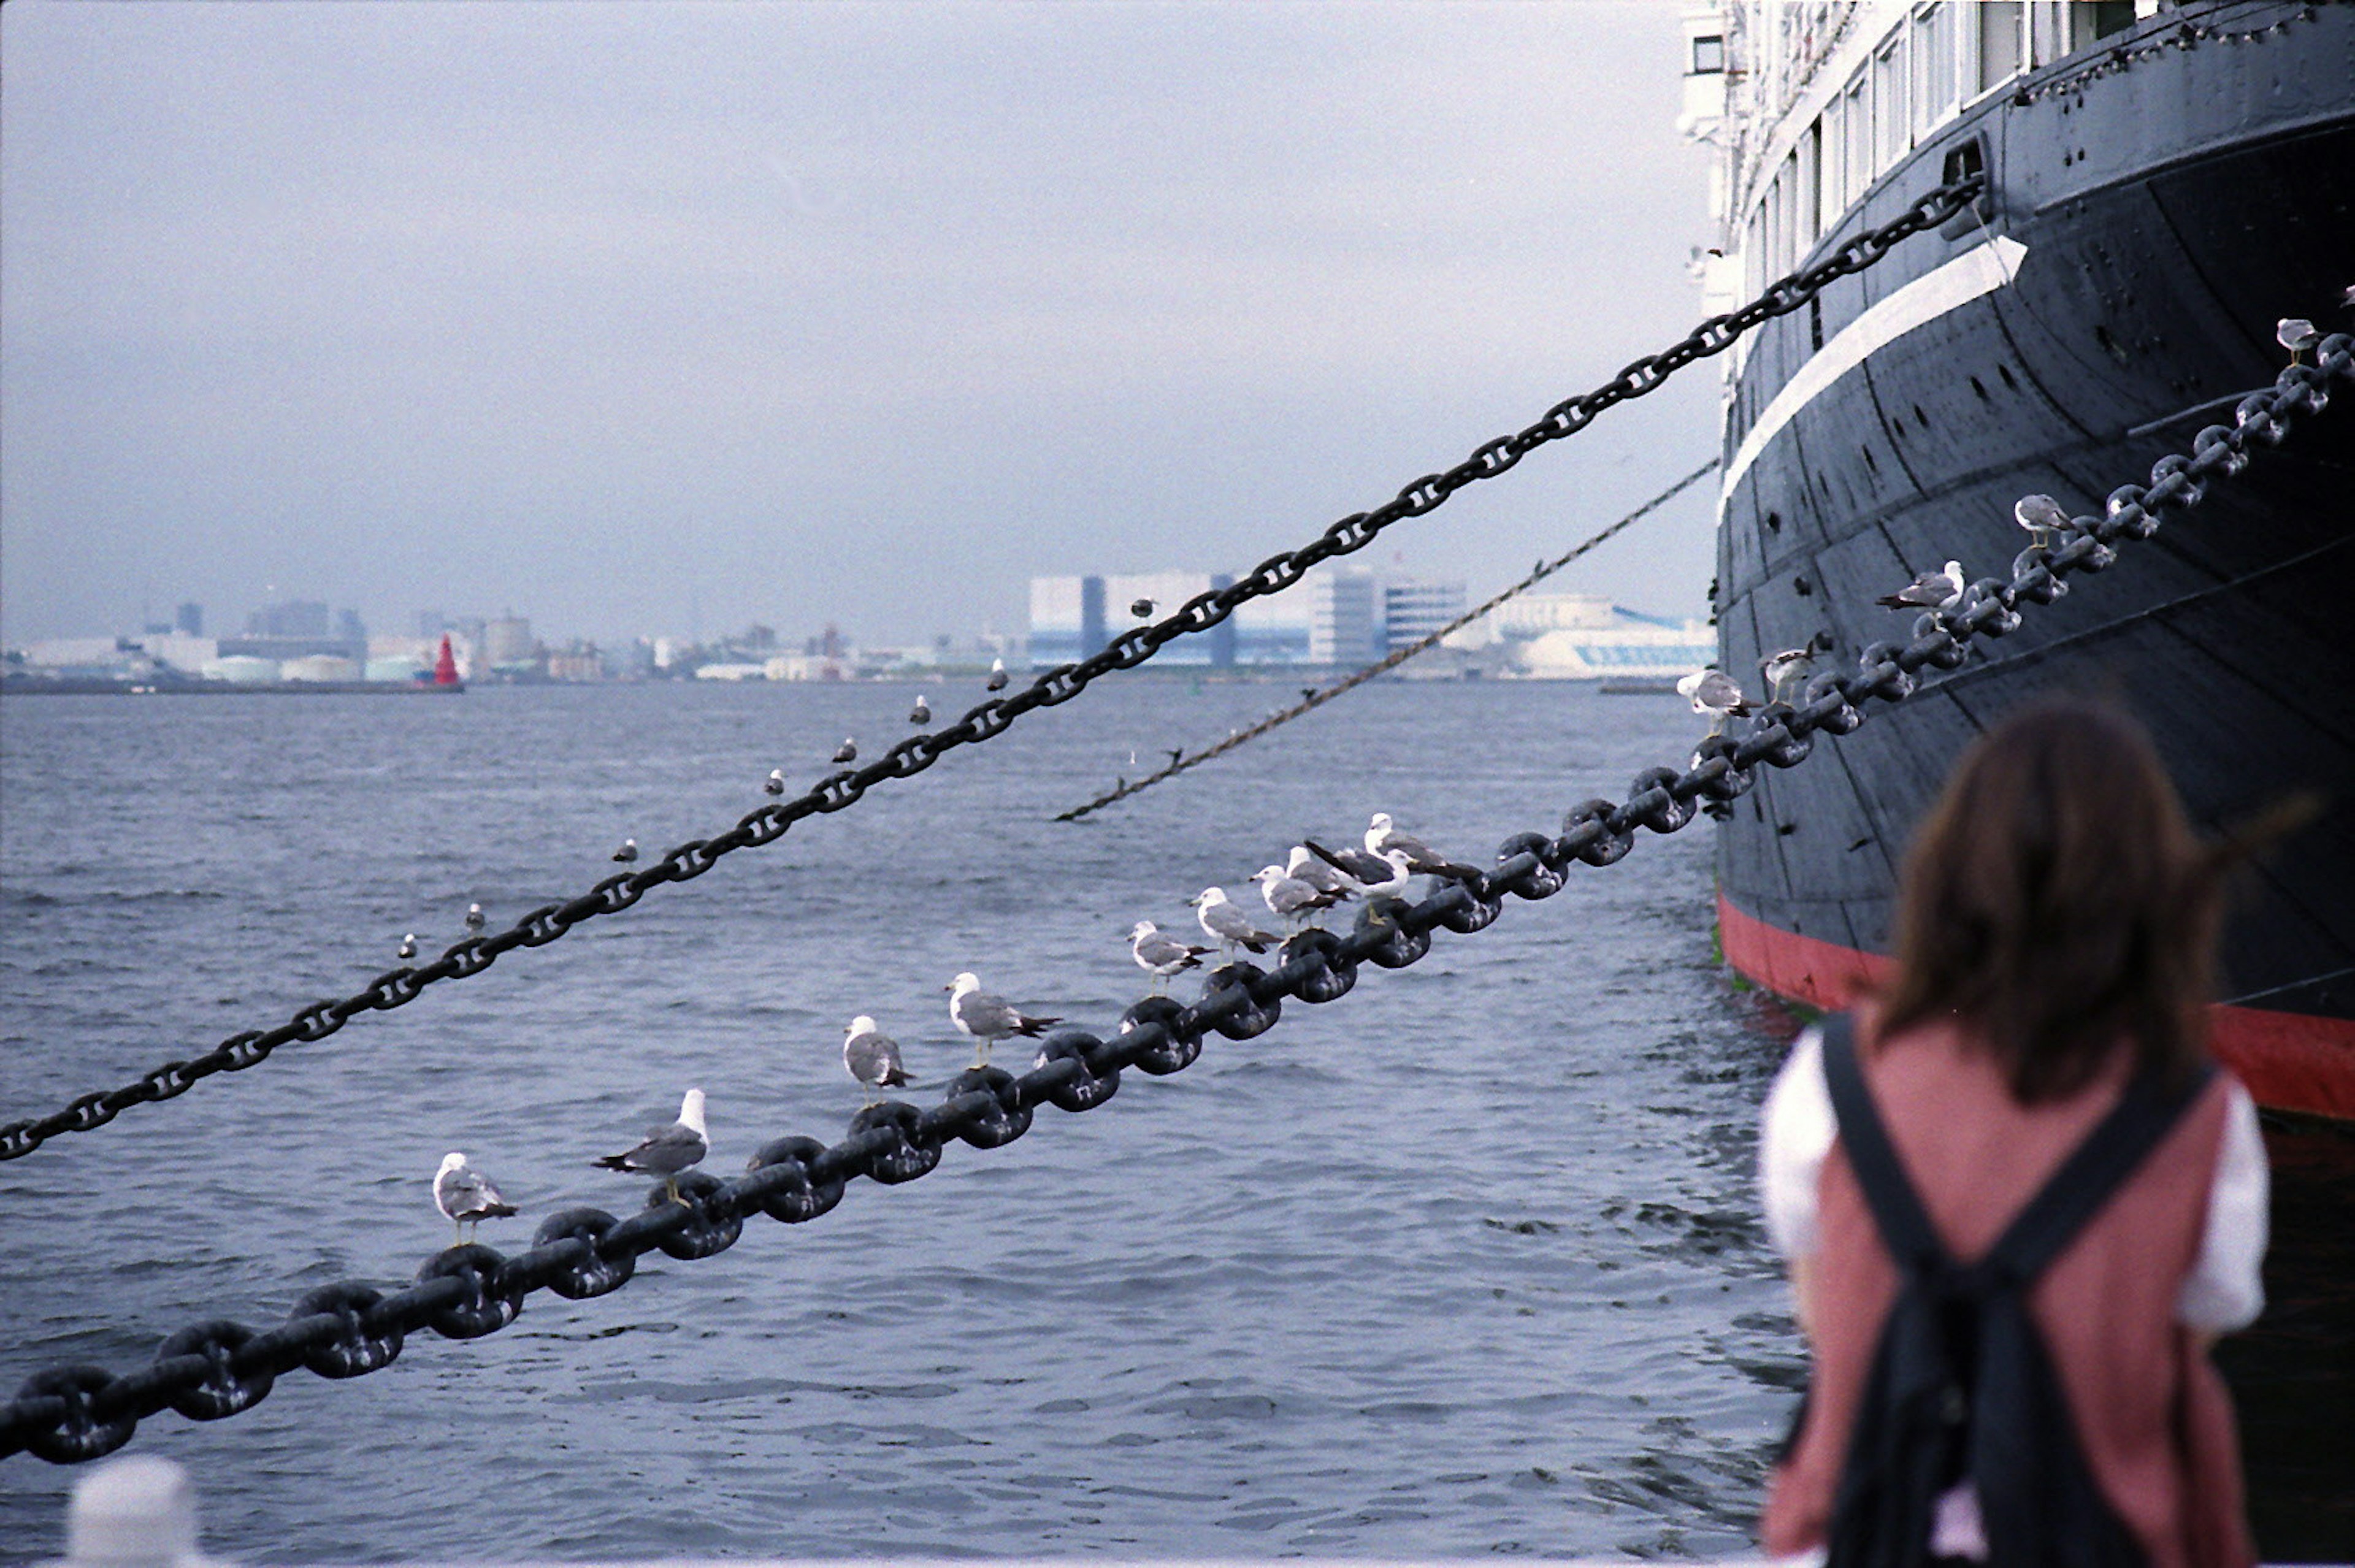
(1787,666)
(1226,923)
(1384,876)
(1303,866)
(627,855)
(921,713)
(997,676)
(872,1057)
(2039,514)
(775,782)
(1288,898)
(986,1018)
(1381,838)
(1940,589)
(466,1197)
(408,945)
(1715,693)
(2296,334)
(667,1151)
(474,917)
(1160,954)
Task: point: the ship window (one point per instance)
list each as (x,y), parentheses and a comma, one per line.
(2099,21)
(1835,156)
(1708,56)
(1923,99)
(1859,173)
(2048,31)
(1889,103)
(1811,187)
(1935,78)
(1999,41)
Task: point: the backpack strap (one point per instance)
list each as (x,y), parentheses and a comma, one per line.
(1905,1227)
(2111,1152)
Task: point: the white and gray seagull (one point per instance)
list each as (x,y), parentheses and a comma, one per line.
(474,918)
(1939,590)
(2039,514)
(1160,954)
(1306,866)
(997,676)
(921,713)
(1381,838)
(775,782)
(466,1197)
(985,1017)
(1384,876)
(1227,924)
(667,1151)
(848,751)
(1781,667)
(1715,693)
(627,855)
(408,945)
(2296,334)
(1288,897)
(872,1057)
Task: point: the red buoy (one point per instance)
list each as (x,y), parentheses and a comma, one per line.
(445,667)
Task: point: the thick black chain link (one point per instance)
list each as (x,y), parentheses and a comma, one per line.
(219,1368)
(396,988)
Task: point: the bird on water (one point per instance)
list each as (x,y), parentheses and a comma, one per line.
(408,945)
(848,751)
(775,782)
(872,1057)
(985,1017)
(627,855)
(1140,608)
(921,713)
(473,917)
(466,1197)
(667,1151)
(997,676)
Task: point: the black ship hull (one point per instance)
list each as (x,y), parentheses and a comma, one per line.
(2149,224)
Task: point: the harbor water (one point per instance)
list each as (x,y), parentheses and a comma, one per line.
(1466,1262)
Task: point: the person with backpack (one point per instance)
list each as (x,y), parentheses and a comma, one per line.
(2017,1198)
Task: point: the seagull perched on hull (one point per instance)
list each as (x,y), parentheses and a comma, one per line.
(667,1151)
(1160,954)
(848,751)
(1288,897)
(2039,514)
(997,676)
(627,855)
(466,1197)
(1939,590)
(2296,334)
(1381,839)
(921,713)
(872,1057)
(1226,923)
(1715,693)
(986,1018)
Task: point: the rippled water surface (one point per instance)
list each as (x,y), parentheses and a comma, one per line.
(1466,1262)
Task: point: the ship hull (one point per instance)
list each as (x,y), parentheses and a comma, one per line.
(2147,227)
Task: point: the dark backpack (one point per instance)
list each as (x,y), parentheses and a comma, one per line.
(1961,1387)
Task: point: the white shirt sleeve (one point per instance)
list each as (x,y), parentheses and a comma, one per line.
(1795,1136)
(2225,1289)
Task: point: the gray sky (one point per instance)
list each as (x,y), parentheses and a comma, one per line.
(621,314)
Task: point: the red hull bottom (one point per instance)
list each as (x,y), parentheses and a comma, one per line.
(2290,1062)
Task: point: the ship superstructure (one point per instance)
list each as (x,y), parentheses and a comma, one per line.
(2164,183)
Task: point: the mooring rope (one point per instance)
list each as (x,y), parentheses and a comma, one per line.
(835,792)
(219,1368)
(1322,695)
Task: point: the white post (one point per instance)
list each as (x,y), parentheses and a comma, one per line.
(134,1512)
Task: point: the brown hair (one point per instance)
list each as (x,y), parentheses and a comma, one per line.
(2057,903)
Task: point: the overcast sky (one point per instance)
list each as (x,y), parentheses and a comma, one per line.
(637,317)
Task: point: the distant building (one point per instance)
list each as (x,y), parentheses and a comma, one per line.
(303,618)
(1074,617)
(1345,617)
(190,620)
(299,628)
(580,661)
(508,646)
(1414,610)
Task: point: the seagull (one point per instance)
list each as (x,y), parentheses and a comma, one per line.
(1176,755)
(1160,954)
(2296,334)
(848,751)
(466,1197)
(987,1018)
(1303,866)
(1789,664)
(1141,608)
(667,1151)
(2039,514)
(997,676)
(473,917)
(408,945)
(1384,876)
(1224,920)
(872,1057)
(775,782)
(627,854)
(921,713)
(1937,589)
(1307,694)
(2347,300)
(1288,897)
(1713,692)
(1381,839)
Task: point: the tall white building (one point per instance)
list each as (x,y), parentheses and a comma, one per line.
(1413,611)
(1345,615)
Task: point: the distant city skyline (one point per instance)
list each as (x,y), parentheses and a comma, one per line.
(648,319)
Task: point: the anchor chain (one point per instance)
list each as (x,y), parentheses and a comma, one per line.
(1322,695)
(219,1368)
(912,755)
